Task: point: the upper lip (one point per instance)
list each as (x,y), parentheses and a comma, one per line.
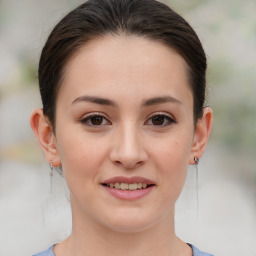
(129,180)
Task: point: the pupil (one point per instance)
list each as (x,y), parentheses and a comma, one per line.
(158,120)
(96,120)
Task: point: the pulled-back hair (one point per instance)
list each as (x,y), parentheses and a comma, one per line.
(143,18)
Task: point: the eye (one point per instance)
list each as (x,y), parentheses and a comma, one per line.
(160,120)
(95,120)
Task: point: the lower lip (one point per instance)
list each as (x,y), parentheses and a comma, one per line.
(129,194)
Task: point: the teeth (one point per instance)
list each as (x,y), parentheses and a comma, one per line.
(126,186)
(133,186)
(139,185)
(117,185)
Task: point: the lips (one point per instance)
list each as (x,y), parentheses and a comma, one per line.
(128,187)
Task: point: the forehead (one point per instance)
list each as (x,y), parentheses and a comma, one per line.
(110,64)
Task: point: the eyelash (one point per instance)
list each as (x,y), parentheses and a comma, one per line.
(88,120)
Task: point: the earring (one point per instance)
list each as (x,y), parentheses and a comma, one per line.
(59,171)
(196,160)
(51,174)
(51,166)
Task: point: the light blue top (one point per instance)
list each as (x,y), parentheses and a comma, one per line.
(196,252)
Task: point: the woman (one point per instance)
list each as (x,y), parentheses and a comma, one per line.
(123,89)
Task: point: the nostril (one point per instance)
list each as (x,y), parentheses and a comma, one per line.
(118,163)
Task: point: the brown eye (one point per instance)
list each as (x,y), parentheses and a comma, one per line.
(160,120)
(95,120)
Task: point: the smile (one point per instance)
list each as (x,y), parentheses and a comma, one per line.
(126,186)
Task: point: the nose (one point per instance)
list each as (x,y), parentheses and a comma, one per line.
(127,148)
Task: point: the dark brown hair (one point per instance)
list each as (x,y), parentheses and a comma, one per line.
(144,18)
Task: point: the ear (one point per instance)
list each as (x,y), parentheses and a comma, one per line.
(201,135)
(45,136)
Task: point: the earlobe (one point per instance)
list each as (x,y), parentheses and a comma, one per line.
(45,136)
(201,135)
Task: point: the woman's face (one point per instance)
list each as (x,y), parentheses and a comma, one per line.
(124,118)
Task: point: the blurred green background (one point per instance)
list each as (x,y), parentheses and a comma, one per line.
(227,30)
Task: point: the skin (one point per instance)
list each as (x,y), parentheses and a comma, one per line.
(128,71)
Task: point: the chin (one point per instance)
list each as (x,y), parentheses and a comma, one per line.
(131,222)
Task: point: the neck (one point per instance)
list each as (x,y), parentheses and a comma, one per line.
(91,238)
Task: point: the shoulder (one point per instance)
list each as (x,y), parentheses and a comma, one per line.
(196,252)
(48,252)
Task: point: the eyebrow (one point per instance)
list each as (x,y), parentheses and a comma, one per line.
(160,100)
(97,100)
(146,103)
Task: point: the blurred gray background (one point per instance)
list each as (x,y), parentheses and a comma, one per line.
(223,221)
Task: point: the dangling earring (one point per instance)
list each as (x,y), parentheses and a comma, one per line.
(59,170)
(51,174)
(196,160)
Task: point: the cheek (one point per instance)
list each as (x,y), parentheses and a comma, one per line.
(172,153)
(81,160)
(81,157)
(171,162)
